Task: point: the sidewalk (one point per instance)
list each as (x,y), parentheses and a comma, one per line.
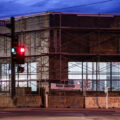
(62,109)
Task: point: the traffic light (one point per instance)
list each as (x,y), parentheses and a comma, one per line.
(18,53)
(20,69)
(21,50)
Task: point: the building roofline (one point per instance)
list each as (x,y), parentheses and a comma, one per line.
(86,14)
(70,13)
(65,13)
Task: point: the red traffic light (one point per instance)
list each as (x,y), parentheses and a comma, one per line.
(21,50)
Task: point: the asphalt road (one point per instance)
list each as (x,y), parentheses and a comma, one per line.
(58,114)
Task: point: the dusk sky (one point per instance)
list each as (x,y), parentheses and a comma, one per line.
(10,8)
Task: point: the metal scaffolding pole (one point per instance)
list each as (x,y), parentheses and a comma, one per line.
(110,76)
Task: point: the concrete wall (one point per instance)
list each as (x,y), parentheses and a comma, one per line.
(21,101)
(60,102)
(99,102)
(65,102)
(6,102)
(79,102)
(28,101)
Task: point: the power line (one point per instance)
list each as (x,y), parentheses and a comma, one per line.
(58,9)
(83,5)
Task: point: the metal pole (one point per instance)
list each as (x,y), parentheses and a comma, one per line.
(107,100)
(92,76)
(96,76)
(110,76)
(82,79)
(106,91)
(12,60)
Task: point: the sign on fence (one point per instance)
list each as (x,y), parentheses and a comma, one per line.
(65,86)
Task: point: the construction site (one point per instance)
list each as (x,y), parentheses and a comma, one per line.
(72,60)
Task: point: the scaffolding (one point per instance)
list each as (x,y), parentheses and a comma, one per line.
(64,52)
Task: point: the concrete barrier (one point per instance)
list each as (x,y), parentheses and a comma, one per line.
(100,102)
(20,101)
(60,102)
(6,102)
(78,102)
(28,101)
(65,102)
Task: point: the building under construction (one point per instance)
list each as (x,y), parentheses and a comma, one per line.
(71,60)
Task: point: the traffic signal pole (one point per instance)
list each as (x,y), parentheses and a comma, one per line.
(13,91)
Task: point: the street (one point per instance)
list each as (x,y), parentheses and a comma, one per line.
(58,114)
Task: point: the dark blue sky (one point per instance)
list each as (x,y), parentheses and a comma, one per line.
(10,8)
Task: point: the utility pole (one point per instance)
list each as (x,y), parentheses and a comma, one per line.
(17,56)
(13,92)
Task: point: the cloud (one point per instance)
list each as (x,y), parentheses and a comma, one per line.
(22,7)
(87,7)
(29,2)
(11,8)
